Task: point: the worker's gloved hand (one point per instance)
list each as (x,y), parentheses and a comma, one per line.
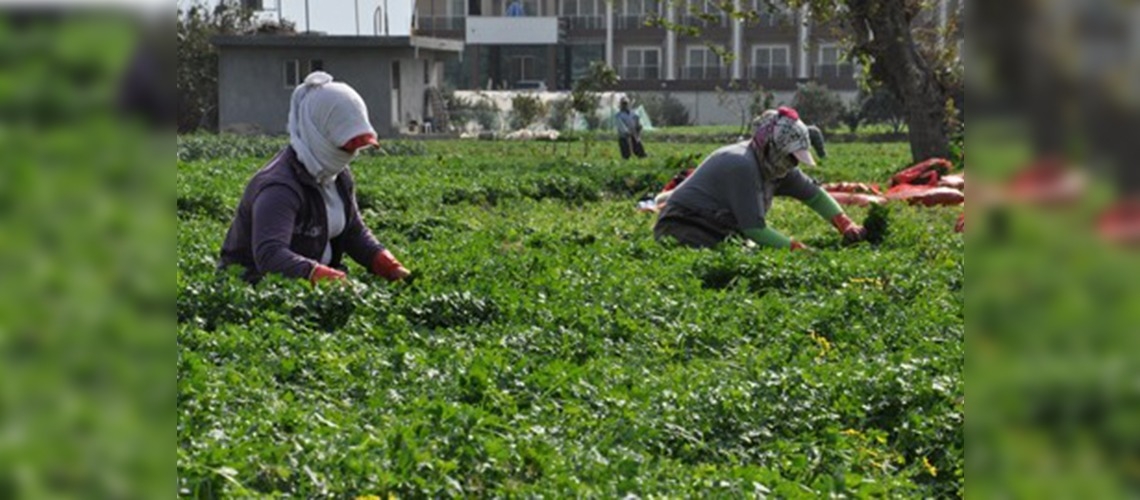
(385,265)
(325,273)
(799,246)
(851,231)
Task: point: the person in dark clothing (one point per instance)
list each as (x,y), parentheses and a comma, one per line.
(629,131)
(298,215)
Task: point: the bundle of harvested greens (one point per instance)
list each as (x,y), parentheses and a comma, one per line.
(877,223)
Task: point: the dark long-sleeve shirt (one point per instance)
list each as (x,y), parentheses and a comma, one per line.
(281,226)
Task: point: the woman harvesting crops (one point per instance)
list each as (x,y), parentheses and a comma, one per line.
(732,190)
(298,215)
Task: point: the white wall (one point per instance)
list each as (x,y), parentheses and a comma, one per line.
(412,89)
(705,107)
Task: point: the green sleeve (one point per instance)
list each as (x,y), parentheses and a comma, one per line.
(824,205)
(768,237)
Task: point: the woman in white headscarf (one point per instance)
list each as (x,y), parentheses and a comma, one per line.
(731,191)
(298,216)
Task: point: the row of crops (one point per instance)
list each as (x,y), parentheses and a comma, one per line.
(548,345)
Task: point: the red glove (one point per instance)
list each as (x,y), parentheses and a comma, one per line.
(384,264)
(851,231)
(323,273)
(798,246)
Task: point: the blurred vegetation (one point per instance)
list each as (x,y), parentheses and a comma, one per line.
(1051,340)
(85,209)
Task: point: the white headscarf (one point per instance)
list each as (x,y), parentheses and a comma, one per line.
(323,116)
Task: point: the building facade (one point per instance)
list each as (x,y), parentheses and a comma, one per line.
(554,41)
(396,76)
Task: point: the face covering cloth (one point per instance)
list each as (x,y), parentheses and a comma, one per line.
(323,116)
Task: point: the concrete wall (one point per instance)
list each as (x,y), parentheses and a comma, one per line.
(252,87)
(705,107)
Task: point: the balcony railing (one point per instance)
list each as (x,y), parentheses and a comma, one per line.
(704,72)
(770,72)
(769,20)
(719,21)
(631,21)
(442,23)
(835,71)
(640,72)
(585,22)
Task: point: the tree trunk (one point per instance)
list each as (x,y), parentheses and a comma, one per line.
(882,30)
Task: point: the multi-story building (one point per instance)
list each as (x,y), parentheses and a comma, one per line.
(554,41)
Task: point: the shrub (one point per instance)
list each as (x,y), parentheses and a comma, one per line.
(526,109)
(852,116)
(882,106)
(559,116)
(463,111)
(762,100)
(586,104)
(666,111)
(747,100)
(818,106)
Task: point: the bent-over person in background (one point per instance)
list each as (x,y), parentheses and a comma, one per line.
(731,191)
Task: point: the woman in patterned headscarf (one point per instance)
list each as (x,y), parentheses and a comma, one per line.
(732,190)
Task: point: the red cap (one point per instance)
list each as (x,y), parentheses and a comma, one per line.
(788,112)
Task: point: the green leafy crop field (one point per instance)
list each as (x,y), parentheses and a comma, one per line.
(549,346)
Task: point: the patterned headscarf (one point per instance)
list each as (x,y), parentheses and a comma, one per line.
(780,141)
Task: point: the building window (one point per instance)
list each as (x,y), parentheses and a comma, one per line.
(697,13)
(292,73)
(447,15)
(427,72)
(703,64)
(581,56)
(829,64)
(636,12)
(642,63)
(771,14)
(583,14)
(771,61)
(516,8)
(395,75)
(522,68)
(316,65)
